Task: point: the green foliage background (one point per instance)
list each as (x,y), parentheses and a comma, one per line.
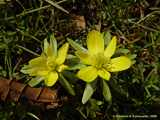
(25,23)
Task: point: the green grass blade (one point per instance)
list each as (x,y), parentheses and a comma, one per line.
(57,6)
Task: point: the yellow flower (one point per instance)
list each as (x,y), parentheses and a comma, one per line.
(98,59)
(49,64)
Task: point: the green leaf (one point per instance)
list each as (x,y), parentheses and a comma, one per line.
(66,85)
(77,66)
(155,87)
(132,56)
(32,115)
(35,81)
(4,1)
(107,37)
(53,43)
(88,92)
(76,46)
(106,92)
(46,45)
(122,51)
(2,46)
(57,6)
(27,50)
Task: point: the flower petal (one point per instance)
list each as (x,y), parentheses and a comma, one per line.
(45,46)
(51,78)
(62,53)
(28,70)
(38,61)
(35,66)
(104,74)
(42,72)
(62,67)
(119,64)
(95,42)
(88,74)
(84,57)
(53,44)
(50,49)
(110,49)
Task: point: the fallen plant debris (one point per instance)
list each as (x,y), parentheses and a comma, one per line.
(11,90)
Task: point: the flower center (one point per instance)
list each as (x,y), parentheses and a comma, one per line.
(101,61)
(51,64)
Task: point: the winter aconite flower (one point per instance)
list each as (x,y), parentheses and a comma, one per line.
(49,63)
(98,59)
